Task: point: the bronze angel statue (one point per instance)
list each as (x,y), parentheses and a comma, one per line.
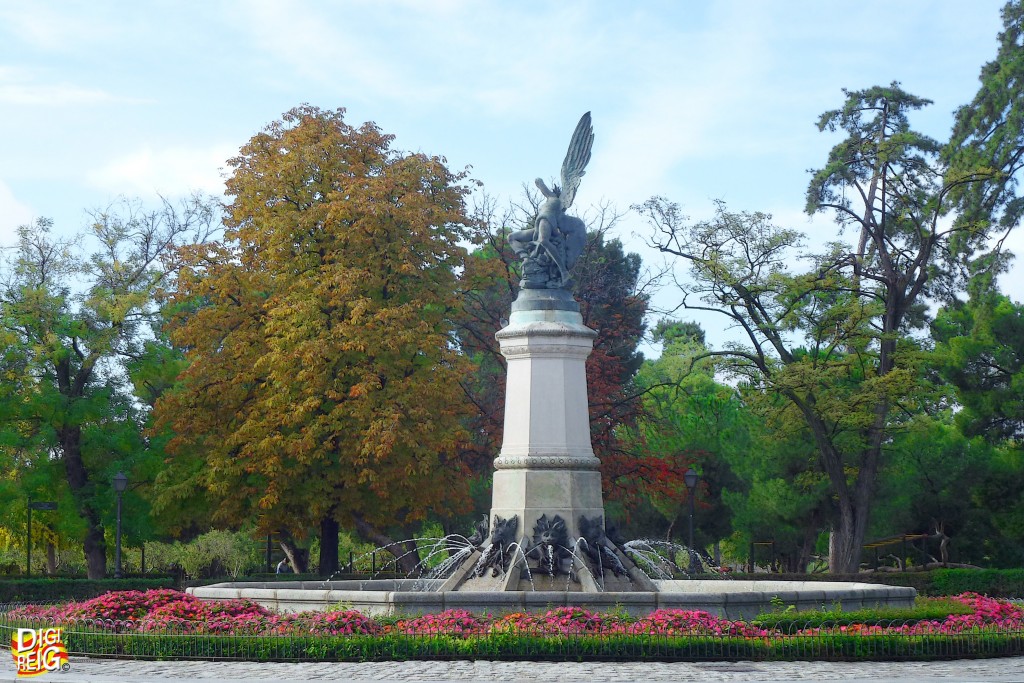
(550,247)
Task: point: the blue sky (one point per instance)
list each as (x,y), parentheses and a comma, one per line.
(695,101)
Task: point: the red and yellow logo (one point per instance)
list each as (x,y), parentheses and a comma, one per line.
(38,651)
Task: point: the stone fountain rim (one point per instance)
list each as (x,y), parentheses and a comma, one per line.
(728,598)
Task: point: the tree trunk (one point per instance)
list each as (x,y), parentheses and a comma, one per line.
(51,559)
(940,533)
(406,554)
(852,503)
(806,549)
(95,546)
(412,552)
(298,557)
(846,541)
(328,546)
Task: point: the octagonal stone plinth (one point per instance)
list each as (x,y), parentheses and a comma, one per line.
(546,468)
(547,464)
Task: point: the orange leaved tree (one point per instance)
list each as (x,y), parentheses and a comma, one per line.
(323,382)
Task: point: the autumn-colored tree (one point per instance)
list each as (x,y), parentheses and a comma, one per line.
(610,290)
(323,381)
(490,283)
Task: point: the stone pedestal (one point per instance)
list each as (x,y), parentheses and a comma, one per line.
(546,477)
(547,465)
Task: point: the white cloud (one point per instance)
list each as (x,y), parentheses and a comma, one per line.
(25,87)
(57,94)
(13,214)
(61,26)
(147,172)
(453,54)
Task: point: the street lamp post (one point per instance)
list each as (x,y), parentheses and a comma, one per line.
(120,484)
(34,505)
(691,477)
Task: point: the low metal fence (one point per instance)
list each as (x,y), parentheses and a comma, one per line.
(579,641)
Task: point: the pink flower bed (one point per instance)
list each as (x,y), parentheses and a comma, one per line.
(693,622)
(563,620)
(452,621)
(173,612)
(989,613)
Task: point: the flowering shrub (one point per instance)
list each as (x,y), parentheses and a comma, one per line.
(346,622)
(679,622)
(114,606)
(451,622)
(563,620)
(989,613)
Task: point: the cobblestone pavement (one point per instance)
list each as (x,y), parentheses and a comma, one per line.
(84,670)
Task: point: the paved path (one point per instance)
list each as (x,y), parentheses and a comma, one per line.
(84,670)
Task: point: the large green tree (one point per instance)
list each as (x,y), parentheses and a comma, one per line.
(928,485)
(71,321)
(988,133)
(323,378)
(980,351)
(782,499)
(834,338)
(688,420)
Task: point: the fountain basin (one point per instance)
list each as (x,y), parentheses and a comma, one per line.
(724,598)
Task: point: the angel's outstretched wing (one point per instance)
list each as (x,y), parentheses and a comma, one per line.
(576,159)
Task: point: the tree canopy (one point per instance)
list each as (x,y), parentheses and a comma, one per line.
(323,381)
(834,339)
(71,324)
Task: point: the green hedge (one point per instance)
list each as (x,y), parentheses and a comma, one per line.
(996,583)
(509,646)
(51,590)
(929,609)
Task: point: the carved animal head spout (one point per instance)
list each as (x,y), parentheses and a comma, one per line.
(499,553)
(479,533)
(551,531)
(592,530)
(503,531)
(550,538)
(598,549)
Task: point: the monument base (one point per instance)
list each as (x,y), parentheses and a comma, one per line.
(547,522)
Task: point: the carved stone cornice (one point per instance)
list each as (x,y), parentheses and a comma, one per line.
(534,350)
(540,329)
(546,462)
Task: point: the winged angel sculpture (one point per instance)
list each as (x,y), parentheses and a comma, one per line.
(550,248)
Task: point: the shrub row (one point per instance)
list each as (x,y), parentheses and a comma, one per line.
(512,646)
(926,609)
(53,590)
(261,577)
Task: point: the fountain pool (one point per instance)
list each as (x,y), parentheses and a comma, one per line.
(733,599)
